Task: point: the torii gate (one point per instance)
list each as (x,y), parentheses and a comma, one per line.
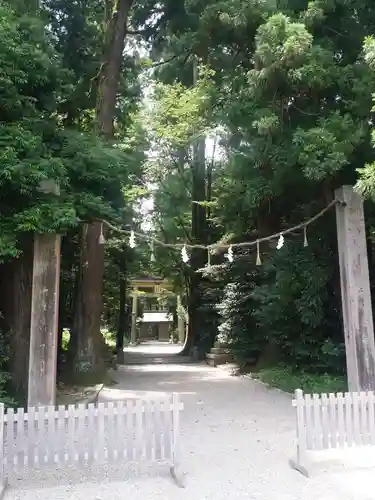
(355,294)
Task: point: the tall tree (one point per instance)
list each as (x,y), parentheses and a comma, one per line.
(291,97)
(41,143)
(88,309)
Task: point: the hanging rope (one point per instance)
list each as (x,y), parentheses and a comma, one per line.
(184,246)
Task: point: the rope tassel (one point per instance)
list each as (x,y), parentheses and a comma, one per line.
(209,259)
(184,255)
(101,237)
(280,243)
(258,262)
(152,249)
(230,255)
(132,239)
(305,242)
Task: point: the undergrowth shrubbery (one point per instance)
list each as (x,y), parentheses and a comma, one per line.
(6,396)
(285,379)
(288,303)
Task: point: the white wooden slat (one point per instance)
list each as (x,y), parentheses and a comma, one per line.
(130,440)
(157,431)
(349,419)
(138,430)
(371,417)
(341,429)
(101,445)
(121,430)
(71,435)
(363,418)
(109,430)
(118,443)
(176,430)
(41,436)
(151,433)
(168,432)
(51,435)
(20,439)
(81,434)
(91,430)
(163,427)
(62,456)
(325,423)
(310,442)
(146,410)
(356,419)
(10,439)
(117,452)
(332,416)
(32,448)
(318,432)
(152,437)
(16,466)
(3,474)
(147,415)
(126,423)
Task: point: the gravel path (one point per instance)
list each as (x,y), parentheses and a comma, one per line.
(237,439)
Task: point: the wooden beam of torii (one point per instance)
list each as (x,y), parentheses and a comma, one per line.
(355,294)
(44,316)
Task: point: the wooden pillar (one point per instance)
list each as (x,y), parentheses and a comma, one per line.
(180,320)
(133,332)
(44,320)
(355,291)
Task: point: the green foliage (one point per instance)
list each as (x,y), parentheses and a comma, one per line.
(288,89)
(283,378)
(5,377)
(366,181)
(237,309)
(292,305)
(36,146)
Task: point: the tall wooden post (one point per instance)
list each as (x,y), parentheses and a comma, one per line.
(44,319)
(133,331)
(44,316)
(355,291)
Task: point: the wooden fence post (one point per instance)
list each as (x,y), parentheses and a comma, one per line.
(355,291)
(301,463)
(175,444)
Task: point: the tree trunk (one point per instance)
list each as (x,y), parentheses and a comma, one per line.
(15,291)
(121,320)
(199,235)
(116,25)
(87,344)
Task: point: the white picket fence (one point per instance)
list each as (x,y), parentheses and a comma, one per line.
(332,421)
(135,430)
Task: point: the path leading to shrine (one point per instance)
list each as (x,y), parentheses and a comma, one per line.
(237,437)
